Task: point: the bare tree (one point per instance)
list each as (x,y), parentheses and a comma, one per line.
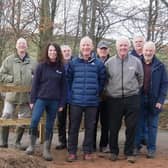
(165,2)
(47,16)
(152,19)
(84,17)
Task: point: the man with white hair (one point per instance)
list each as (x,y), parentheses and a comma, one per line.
(16,69)
(138,43)
(86,76)
(153,94)
(125,78)
(62,116)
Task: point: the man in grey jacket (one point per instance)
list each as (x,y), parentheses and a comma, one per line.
(125,78)
(16,70)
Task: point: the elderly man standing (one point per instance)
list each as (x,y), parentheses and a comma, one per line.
(138,43)
(16,69)
(86,75)
(62,116)
(103,50)
(153,94)
(125,78)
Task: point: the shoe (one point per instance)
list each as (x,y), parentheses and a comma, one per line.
(87,157)
(20,147)
(113,157)
(61,146)
(150,155)
(105,149)
(144,142)
(71,158)
(131,159)
(4,146)
(94,150)
(136,151)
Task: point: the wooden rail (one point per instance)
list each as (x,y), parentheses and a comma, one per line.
(24,121)
(12,88)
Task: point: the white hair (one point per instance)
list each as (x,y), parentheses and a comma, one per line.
(150,44)
(121,39)
(139,36)
(86,39)
(21,39)
(65,47)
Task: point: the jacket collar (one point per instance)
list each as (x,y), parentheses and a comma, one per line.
(155,62)
(25,60)
(91,58)
(126,58)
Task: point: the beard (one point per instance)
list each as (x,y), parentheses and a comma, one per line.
(148,58)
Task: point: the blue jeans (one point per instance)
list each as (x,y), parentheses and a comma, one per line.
(151,119)
(141,130)
(51,107)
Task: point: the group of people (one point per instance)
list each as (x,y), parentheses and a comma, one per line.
(132,85)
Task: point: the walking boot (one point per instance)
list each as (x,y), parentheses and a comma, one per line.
(62,140)
(19,135)
(4,136)
(46,149)
(33,136)
(61,146)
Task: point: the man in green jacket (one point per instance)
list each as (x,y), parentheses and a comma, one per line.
(16,70)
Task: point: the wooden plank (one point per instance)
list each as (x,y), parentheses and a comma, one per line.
(12,88)
(41,132)
(23,121)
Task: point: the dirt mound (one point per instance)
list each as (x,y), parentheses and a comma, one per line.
(10,158)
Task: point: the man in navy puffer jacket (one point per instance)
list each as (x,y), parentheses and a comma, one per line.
(86,75)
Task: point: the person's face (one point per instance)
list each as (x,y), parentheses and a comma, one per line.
(122,48)
(103,52)
(52,53)
(66,53)
(138,43)
(148,53)
(21,47)
(86,47)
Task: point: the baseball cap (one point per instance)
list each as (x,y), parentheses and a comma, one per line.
(103,44)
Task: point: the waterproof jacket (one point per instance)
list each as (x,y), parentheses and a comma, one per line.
(158,84)
(15,71)
(49,83)
(86,80)
(124,76)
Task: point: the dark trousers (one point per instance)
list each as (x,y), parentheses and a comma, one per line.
(103,114)
(62,122)
(89,122)
(118,108)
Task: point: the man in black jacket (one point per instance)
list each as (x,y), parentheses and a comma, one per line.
(103,53)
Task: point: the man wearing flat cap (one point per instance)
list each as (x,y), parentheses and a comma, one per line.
(103,53)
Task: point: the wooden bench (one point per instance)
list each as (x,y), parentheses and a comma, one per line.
(25,121)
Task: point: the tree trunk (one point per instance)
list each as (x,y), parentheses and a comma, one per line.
(84,18)
(45,28)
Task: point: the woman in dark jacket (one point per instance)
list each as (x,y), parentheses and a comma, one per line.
(48,94)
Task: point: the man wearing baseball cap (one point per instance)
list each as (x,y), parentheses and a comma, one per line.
(103,53)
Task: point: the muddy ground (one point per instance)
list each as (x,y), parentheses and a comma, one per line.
(12,158)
